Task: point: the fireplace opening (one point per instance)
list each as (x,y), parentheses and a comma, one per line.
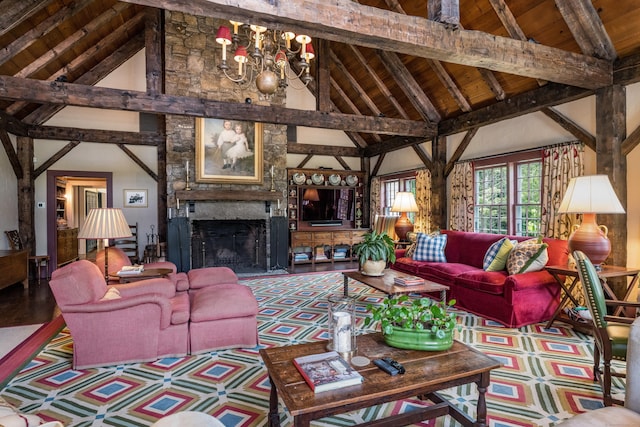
(238,244)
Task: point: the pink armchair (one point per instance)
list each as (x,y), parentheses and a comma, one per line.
(139,321)
(118,259)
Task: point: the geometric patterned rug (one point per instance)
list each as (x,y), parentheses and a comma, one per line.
(546,375)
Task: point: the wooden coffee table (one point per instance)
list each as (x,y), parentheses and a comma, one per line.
(385,284)
(147,273)
(426,374)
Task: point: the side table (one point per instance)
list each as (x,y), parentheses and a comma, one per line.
(607,271)
(148,273)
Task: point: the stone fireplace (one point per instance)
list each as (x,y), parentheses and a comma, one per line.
(238,244)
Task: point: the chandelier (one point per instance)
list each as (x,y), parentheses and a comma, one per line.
(266,54)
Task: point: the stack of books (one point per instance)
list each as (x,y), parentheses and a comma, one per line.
(408,281)
(326,371)
(300,256)
(340,253)
(130,270)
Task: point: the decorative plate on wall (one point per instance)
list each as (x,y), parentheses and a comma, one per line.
(352,180)
(299,178)
(334,179)
(317,178)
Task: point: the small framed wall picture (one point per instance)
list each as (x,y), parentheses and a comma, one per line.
(135,198)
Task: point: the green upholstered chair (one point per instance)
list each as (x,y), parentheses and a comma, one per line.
(610,333)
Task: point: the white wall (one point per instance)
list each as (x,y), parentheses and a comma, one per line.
(9,193)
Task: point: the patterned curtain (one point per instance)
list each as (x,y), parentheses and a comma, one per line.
(374,205)
(461,190)
(422,220)
(559,165)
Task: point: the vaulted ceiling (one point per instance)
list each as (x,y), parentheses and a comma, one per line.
(381,60)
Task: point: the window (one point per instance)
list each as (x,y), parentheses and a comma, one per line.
(508,195)
(390,186)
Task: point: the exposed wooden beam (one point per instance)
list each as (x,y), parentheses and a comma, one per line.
(423,156)
(106,66)
(359,141)
(344,164)
(57,156)
(627,71)
(528,102)
(410,86)
(444,11)
(27,39)
(14,88)
(12,125)
(381,86)
(449,84)
(378,165)
(11,153)
(154,50)
(15,12)
(323,150)
(341,20)
(305,161)
(572,127)
(631,141)
(57,133)
(139,162)
(391,144)
(493,83)
(587,28)
(362,94)
(53,53)
(459,151)
(323,76)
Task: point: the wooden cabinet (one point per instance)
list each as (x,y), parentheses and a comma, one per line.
(13,268)
(61,203)
(67,245)
(323,246)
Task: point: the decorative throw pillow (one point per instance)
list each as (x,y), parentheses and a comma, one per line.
(530,255)
(430,248)
(412,237)
(496,257)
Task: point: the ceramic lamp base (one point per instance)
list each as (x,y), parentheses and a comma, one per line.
(403,226)
(591,239)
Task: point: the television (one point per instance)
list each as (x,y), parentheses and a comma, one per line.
(320,206)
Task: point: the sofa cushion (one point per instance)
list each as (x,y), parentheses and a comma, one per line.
(430,248)
(442,272)
(203,277)
(487,281)
(530,255)
(179,308)
(496,257)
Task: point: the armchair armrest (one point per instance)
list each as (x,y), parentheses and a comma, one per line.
(159,286)
(617,319)
(113,305)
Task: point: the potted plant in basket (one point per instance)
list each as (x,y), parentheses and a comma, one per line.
(421,324)
(375,250)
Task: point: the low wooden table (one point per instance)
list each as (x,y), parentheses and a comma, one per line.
(426,373)
(147,273)
(385,284)
(605,272)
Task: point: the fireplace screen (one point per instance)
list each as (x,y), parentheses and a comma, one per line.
(237,244)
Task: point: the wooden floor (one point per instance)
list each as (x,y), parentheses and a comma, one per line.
(20,306)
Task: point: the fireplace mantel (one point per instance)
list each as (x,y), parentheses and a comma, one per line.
(228,195)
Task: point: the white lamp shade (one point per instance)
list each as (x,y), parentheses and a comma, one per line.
(590,194)
(105,223)
(404,202)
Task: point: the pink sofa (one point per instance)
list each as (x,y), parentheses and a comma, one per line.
(513,300)
(139,321)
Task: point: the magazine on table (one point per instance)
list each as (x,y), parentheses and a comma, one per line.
(326,371)
(130,270)
(408,281)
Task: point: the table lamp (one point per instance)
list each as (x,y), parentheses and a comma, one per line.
(404,202)
(590,195)
(105,223)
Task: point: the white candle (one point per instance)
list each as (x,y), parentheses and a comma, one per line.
(278,203)
(178,204)
(272,170)
(187,168)
(342,332)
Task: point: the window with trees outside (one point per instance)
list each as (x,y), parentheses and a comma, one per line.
(390,186)
(508,194)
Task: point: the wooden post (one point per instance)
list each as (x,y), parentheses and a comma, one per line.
(611,131)
(26,193)
(439,185)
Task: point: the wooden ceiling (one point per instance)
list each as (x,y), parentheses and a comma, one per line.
(502,59)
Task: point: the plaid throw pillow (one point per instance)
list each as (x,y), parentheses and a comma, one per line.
(496,257)
(430,248)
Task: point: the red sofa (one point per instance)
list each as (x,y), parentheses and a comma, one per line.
(513,300)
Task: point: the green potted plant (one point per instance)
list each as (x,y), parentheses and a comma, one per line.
(375,250)
(421,324)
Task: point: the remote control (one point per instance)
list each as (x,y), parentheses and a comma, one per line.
(389,365)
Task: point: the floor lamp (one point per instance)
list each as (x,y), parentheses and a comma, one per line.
(404,202)
(105,223)
(590,195)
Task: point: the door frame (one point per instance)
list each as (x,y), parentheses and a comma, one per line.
(52,226)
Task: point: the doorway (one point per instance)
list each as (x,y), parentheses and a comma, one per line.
(66,210)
